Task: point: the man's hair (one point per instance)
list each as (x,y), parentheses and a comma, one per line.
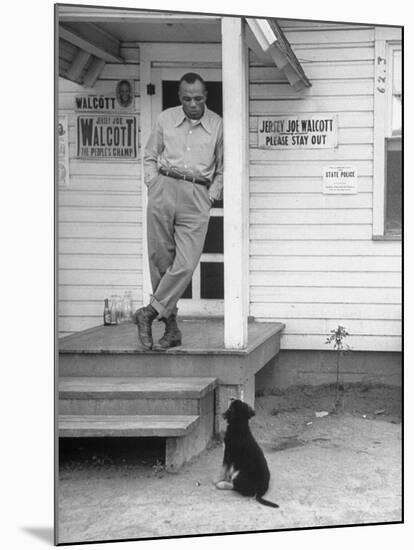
(190,78)
(124,82)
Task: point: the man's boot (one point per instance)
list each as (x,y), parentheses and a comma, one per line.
(172,334)
(143,318)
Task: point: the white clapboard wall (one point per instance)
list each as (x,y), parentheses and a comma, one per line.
(99,215)
(313,263)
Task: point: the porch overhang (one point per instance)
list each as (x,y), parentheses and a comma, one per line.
(268,41)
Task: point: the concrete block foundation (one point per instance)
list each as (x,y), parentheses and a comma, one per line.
(309,367)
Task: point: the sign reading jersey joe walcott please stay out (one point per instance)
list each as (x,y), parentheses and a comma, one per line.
(106,137)
(298,132)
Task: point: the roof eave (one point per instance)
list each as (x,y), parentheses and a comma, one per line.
(272,41)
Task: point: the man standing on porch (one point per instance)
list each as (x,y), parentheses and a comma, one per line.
(183,170)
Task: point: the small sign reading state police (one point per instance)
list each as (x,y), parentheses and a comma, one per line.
(298,132)
(340,180)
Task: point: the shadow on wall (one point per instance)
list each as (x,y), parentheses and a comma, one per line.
(44,534)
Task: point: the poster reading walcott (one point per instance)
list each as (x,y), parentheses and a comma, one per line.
(107,137)
(121,99)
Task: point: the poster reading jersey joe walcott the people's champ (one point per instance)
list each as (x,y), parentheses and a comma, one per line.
(106,137)
(106,127)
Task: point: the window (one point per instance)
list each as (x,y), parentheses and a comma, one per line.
(393,153)
(388,134)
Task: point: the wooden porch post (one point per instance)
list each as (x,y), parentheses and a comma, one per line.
(236,182)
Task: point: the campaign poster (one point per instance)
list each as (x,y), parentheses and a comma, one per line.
(120,99)
(106,137)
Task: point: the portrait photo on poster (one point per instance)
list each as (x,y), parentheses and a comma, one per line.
(125,93)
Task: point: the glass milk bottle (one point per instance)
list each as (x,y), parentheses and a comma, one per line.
(119,310)
(114,309)
(127,306)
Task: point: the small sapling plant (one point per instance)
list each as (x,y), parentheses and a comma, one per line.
(337,337)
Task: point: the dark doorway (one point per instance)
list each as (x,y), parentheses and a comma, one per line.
(214,98)
(212,274)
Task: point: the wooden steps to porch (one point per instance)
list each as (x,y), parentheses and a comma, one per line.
(181,410)
(110,386)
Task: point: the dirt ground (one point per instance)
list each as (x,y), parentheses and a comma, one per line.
(327,469)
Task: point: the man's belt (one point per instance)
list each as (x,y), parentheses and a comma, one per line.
(175,175)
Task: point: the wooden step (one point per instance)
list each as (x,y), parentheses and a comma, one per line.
(126,425)
(135,395)
(184,435)
(133,387)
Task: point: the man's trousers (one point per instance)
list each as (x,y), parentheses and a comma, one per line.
(177,219)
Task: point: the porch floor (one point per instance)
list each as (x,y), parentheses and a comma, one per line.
(200,336)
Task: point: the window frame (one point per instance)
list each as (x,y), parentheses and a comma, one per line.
(387,39)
